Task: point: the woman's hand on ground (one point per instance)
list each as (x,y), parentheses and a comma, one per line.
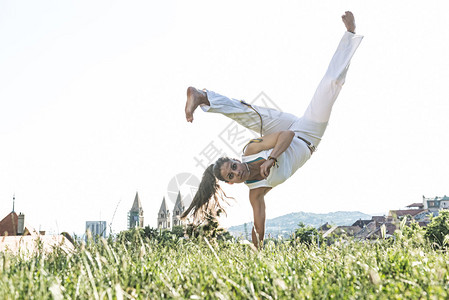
(265,168)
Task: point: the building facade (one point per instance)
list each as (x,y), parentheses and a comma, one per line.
(96,228)
(436,203)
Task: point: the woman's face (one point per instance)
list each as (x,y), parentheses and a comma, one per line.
(233,171)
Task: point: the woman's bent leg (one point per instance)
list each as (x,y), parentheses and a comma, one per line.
(273,120)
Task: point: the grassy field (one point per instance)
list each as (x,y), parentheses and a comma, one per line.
(136,268)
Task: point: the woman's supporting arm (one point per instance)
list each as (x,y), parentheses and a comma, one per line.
(256,197)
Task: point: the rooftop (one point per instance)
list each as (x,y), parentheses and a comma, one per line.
(418,205)
(404,212)
(9,224)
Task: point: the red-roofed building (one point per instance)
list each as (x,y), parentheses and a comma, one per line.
(404,212)
(14,224)
(416,205)
(16,237)
(9,224)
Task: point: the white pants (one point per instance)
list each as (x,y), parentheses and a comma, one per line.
(314,121)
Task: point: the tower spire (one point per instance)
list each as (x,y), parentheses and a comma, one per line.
(13,201)
(135,215)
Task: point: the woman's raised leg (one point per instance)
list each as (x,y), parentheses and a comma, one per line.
(320,107)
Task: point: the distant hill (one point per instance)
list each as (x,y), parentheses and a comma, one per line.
(287,224)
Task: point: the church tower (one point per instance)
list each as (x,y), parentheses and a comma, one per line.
(178,210)
(135,215)
(163,217)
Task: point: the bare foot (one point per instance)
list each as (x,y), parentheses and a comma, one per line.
(348,19)
(194,98)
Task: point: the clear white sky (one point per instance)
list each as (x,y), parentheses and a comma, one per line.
(92,98)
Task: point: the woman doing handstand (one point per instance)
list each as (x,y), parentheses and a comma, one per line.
(287,141)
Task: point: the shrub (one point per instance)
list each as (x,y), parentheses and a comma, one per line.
(308,234)
(412,230)
(437,231)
